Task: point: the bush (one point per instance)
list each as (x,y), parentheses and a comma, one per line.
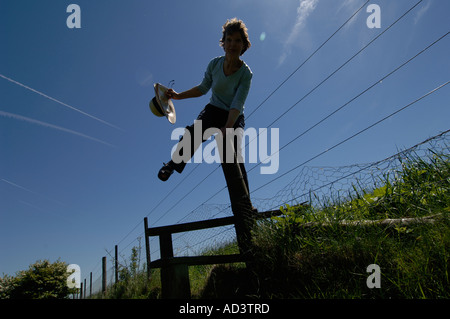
(42,280)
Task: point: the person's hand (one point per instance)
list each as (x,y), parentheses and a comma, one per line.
(171,94)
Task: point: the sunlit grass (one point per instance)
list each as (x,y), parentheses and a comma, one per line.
(319,252)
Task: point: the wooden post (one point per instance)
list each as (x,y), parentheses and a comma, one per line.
(116,266)
(174,278)
(165,245)
(147,246)
(84,294)
(103,274)
(175,282)
(90,284)
(81,291)
(240,202)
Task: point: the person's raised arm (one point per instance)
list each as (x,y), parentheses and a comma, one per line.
(194,92)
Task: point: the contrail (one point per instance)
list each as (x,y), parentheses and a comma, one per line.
(30,191)
(18,186)
(62,103)
(29,120)
(47,212)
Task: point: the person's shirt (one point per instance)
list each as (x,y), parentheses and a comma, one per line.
(228,92)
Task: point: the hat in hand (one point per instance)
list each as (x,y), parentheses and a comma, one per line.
(160,105)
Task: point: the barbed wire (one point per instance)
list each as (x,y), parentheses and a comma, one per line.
(263,102)
(312,184)
(303,98)
(316,185)
(225,209)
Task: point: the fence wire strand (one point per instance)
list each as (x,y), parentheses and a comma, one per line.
(311,184)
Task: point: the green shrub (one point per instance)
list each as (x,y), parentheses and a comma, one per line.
(42,280)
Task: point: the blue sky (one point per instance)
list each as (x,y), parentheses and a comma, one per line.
(80,150)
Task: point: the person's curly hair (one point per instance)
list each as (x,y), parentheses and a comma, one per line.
(235,25)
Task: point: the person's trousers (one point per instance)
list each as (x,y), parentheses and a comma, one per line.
(211,117)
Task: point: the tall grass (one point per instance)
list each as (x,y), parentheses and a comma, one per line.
(329,259)
(314,252)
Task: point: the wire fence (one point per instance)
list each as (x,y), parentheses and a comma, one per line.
(312,184)
(316,185)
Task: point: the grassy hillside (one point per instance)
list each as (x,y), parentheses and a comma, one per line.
(315,252)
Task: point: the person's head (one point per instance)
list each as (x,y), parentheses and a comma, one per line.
(233,32)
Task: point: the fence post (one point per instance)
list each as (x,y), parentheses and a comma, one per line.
(90,284)
(147,246)
(116,266)
(103,274)
(240,203)
(174,278)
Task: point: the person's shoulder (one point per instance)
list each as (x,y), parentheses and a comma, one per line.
(216,60)
(247,69)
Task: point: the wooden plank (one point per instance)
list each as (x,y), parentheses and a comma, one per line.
(179,228)
(380,222)
(204,224)
(198,260)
